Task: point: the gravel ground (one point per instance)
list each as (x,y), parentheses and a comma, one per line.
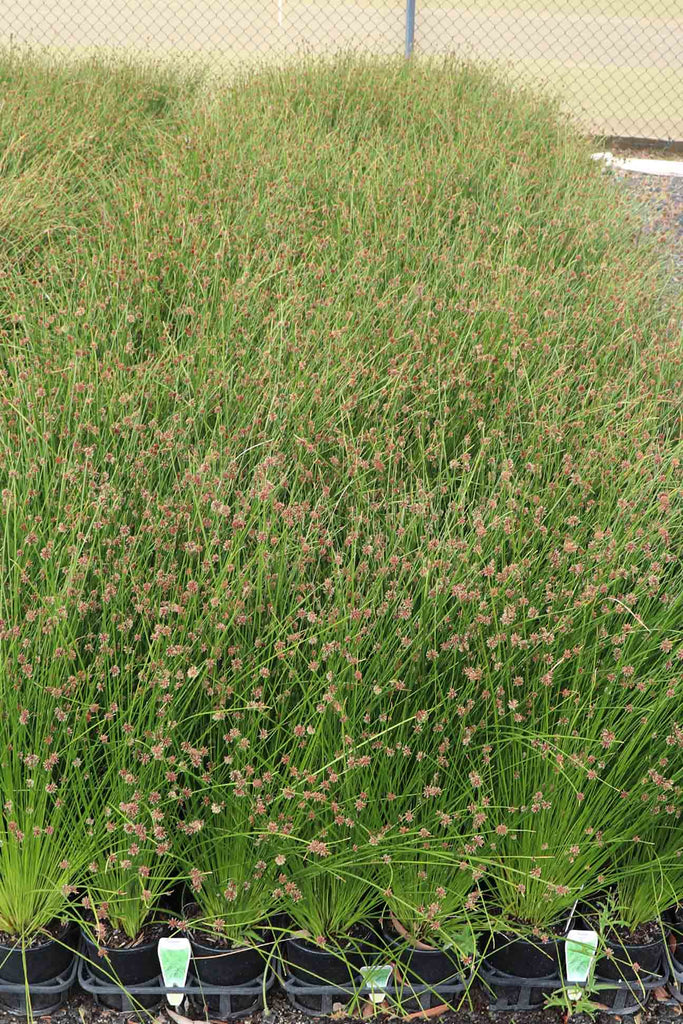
(661,200)
(81,1010)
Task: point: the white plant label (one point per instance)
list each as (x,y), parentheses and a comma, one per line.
(376,979)
(174,957)
(579,950)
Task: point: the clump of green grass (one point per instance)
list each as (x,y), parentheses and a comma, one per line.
(338,407)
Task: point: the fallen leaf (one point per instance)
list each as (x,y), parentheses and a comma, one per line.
(637,1018)
(660,994)
(433,1011)
(370,1008)
(179,1019)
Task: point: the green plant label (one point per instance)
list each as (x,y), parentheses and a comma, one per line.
(174,957)
(579,951)
(376,978)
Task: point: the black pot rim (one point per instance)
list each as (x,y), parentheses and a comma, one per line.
(64,930)
(552,966)
(310,948)
(118,950)
(497,918)
(534,940)
(192,932)
(642,945)
(217,950)
(395,938)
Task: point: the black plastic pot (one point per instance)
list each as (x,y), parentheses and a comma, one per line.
(674,922)
(316,966)
(231,968)
(228,966)
(37,966)
(521,958)
(124,967)
(424,966)
(649,958)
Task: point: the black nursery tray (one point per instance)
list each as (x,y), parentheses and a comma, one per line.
(231,1002)
(319,1000)
(675,985)
(513,993)
(45,997)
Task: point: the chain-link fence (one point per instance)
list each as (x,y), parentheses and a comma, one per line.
(618,63)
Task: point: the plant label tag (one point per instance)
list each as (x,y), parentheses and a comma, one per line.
(579,950)
(174,957)
(376,978)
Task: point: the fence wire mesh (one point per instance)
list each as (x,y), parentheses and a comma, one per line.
(618,63)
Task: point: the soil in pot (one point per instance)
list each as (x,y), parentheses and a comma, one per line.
(43,959)
(635,954)
(119,960)
(535,957)
(424,966)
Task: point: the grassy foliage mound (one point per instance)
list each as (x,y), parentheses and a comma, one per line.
(340,468)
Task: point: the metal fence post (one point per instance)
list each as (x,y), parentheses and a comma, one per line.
(410,27)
